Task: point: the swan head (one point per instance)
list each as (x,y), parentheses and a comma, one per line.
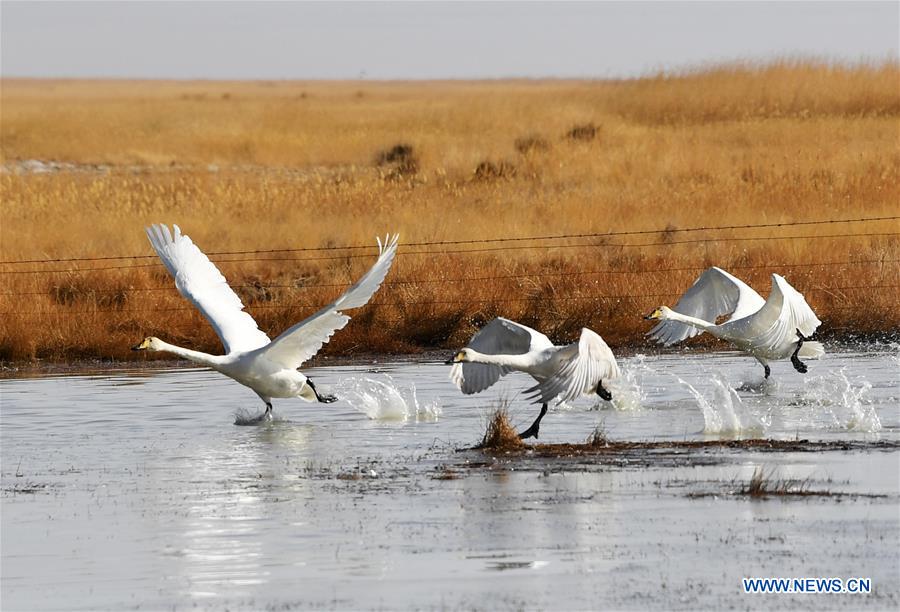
(462,356)
(660,314)
(149,343)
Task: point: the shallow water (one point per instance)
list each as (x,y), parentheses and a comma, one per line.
(136,490)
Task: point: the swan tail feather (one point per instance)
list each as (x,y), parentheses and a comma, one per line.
(811,350)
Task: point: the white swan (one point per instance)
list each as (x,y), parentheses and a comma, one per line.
(565,372)
(775,328)
(267,367)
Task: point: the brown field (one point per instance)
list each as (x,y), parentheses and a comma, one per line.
(254,166)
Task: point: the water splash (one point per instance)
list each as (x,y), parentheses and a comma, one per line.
(628,391)
(762,386)
(242,416)
(724,413)
(383,400)
(427,411)
(842,402)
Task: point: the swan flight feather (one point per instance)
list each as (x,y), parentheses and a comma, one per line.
(767,329)
(303,340)
(499,337)
(774,326)
(715,293)
(200,281)
(581,367)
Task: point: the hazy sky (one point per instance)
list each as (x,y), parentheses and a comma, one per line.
(413,40)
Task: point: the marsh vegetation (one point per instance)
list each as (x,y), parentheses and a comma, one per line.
(274,177)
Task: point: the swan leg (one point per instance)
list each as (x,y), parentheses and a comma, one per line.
(795,360)
(603,393)
(325,399)
(532,432)
(766,368)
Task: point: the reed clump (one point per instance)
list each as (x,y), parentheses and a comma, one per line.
(500,436)
(531,144)
(400,161)
(585,132)
(488,170)
(599,437)
(764,483)
(289,165)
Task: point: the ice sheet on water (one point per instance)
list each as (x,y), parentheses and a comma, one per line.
(384,400)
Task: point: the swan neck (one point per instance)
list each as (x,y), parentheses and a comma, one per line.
(692,321)
(500,360)
(195,356)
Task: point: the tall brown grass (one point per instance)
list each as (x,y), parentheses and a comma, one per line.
(256,166)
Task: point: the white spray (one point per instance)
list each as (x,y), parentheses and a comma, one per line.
(383,400)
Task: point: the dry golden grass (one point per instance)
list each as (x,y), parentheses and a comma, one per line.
(255,166)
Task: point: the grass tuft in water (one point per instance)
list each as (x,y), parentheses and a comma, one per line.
(599,437)
(764,484)
(500,435)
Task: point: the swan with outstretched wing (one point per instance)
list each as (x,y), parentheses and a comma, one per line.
(564,372)
(267,367)
(775,328)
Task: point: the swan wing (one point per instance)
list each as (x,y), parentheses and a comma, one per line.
(199,280)
(499,337)
(774,327)
(581,367)
(713,294)
(476,377)
(504,337)
(303,340)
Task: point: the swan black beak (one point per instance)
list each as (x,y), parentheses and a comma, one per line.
(451,361)
(648,317)
(137,347)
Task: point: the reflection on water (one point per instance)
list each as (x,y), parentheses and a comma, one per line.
(223,551)
(136,490)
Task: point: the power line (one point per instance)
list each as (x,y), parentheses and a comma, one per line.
(421,302)
(667,230)
(523,275)
(469,251)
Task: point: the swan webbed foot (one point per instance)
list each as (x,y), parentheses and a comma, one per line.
(603,393)
(534,430)
(795,359)
(531,432)
(799,365)
(325,399)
